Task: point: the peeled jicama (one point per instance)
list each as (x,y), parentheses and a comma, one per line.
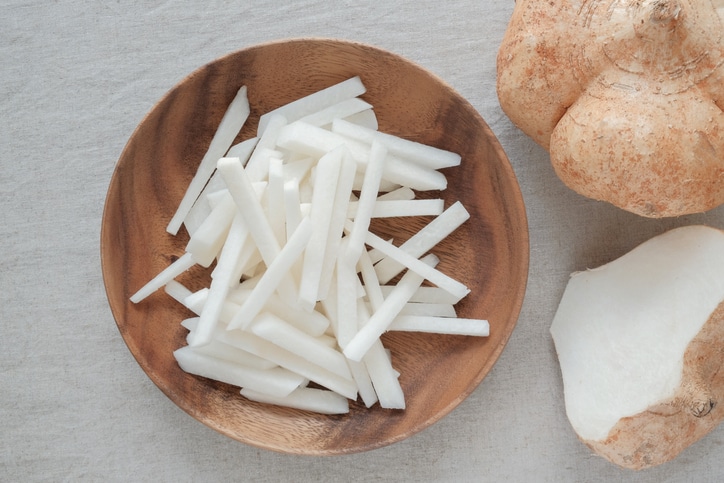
(640,343)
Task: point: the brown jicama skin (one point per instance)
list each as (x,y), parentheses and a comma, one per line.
(662,432)
(626,95)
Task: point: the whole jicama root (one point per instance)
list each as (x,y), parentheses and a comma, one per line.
(640,343)
(626,95)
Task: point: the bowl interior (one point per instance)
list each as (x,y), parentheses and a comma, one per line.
(489,253)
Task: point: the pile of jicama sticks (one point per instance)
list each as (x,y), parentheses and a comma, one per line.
(300,290)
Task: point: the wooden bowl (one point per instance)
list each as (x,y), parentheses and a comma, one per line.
(489,253)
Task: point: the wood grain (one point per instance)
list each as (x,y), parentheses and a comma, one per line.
(489,253)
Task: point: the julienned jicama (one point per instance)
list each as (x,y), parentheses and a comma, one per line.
(300,291)
(640,342)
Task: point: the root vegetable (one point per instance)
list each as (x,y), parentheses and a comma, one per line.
(627,96)
(639,342)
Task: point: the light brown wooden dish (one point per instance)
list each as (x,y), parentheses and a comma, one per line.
(489,253)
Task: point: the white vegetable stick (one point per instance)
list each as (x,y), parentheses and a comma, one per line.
(329,305)
(224,351)
(336,224)
(385,314)
(361,377)
(206,242)
(315,141)
(280,333)
(371,283)
(248,258)
(275,274)
(201,208)
(230,125)
(282,357)
(177,291)
(220,281)
(359,371)
(342,109)
(433,275)
(366,203)
(313,323)
(265,149)
(425,239)
(366,118)
(309,140)
(428,309)
(441,325)
(298,170)
(376,255)
(292,210)
(384,377)
(197,300)
(433,295)
(325,183)
(175,269)
(386,186)
(398,208)
(231,251)
(316,101)
(242,191)
(275,200)
(275,381)
(346,296)
(423,154)
(309,399)
(232,354)
(402,193)
(243,149)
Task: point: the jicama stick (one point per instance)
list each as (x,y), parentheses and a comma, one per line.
(428,309)
(306,398)
(275,199)
(432,295)
(325,182)
(423,154)
(282,357)
(399,208)
(230,125)
(455,288)
(276,381)
(178,267)
(366,118)
(385,314)
(227,352)
(275,274)
(316,101)
(242,191)
(425,239)
(220,281)
(441,325)
(342,109)
(382,375)
(257,167)
(365,205)
(201,207)
(286,336)
(205,244)
(343,193)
